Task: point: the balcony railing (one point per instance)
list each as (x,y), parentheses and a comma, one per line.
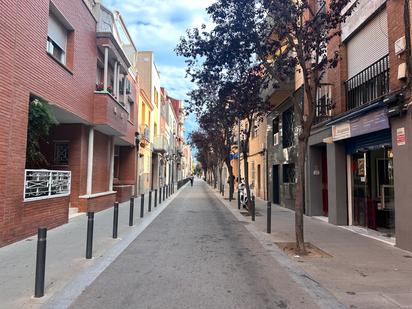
(370,84)
(44,184)
(324,104)
(160,144)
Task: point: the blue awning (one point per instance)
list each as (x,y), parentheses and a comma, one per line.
(354,113)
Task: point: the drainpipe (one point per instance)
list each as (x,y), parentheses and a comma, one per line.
(407,23)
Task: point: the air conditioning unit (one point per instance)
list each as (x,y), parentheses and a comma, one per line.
(276,139)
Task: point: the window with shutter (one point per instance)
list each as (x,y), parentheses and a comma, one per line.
(369,45)
(56,39)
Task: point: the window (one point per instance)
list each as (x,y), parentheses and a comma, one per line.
(289,175)
(275,131)
(56,39)
(61,152)
(287,128)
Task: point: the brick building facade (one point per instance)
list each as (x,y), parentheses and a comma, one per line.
(95,135)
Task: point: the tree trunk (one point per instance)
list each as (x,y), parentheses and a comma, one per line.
(299,203)
(231,178)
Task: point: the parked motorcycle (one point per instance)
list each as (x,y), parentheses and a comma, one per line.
(243,194)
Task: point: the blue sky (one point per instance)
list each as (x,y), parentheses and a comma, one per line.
(157,25)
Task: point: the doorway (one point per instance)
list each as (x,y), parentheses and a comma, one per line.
(275,185)
(325,203)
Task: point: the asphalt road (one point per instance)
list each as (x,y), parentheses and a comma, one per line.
(196,254)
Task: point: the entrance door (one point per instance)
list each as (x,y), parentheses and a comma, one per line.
(325,204)
(275,184)
(360,188)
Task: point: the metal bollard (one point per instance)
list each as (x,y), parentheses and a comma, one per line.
(150,201)
(131,211)
(164,197)
(155,198)
(115,219)
(40,262)
(269,217)
(253,209)
(160,195)
(89,241)
(238,199)
(142,205)
(223,190)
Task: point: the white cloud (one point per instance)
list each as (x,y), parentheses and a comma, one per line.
(158,25)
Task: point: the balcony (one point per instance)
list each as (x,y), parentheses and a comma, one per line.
(324,104)
(110,117)
(45,184)
(160,144)
(368,85)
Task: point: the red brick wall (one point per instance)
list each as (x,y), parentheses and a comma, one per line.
(26,68)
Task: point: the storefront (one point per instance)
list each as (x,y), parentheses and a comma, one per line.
(367,140)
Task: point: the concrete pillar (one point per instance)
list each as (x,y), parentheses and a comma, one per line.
(115,78)
(124,92)
(118,83)
(338,209)
(106,67)
(90,162)
(111,171)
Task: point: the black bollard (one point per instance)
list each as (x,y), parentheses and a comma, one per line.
(142,206)
(150,201)
(115,219)
(155,198)
(238,199)
(269,217)
(164,197)
(131,211)
(253,209)
(160,195)
(40,262)
(223,190)
(89,241)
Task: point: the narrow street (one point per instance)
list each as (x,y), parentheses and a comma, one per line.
(196,254)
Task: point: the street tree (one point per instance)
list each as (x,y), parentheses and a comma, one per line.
(226,58)
(298,34)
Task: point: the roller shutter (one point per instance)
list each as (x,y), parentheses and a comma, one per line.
(368,45)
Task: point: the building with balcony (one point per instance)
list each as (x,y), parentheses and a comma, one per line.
(357,161)
(76,163)
(149,78)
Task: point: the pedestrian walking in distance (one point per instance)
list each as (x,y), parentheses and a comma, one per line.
(191,180)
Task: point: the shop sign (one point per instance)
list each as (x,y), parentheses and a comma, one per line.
(400,137)
(371,122)
(341,131)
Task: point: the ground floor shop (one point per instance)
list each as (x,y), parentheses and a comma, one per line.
(358,173)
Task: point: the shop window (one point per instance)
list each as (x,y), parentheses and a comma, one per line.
(288,128)
(289,173)
(61,152)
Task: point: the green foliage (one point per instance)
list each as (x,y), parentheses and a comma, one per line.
(40,121)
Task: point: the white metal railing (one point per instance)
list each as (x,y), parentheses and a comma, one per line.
(43,184)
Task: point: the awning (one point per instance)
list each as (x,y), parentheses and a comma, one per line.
(354,113)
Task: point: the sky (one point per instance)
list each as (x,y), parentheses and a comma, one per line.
(157,25)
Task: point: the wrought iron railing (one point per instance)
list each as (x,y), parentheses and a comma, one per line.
(370,84)
(43,184)
(324,105)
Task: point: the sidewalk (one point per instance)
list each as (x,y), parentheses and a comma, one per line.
(66,247)
(362,272)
